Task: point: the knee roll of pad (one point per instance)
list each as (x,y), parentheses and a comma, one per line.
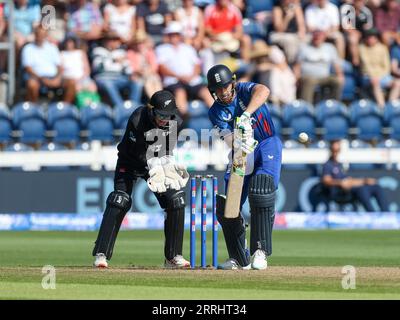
(119,199)
(176,200)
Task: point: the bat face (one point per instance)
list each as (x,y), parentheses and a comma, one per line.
(235,185)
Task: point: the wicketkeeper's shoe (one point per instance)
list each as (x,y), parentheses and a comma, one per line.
(101,261)
(232,264)
(259,260)
(178,262)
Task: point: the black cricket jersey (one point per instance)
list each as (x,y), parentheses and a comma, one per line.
(143,140)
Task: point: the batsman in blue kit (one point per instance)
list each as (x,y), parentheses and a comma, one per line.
(245,103)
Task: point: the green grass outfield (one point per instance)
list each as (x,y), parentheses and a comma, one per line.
(304,265)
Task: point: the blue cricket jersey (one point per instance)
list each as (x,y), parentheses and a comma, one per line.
(223,116)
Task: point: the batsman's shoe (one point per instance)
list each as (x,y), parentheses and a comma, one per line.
(232,264)
(176,263)
(101,261)
(259,260)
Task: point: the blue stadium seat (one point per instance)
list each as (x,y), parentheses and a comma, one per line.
(98,121)
(122,114)
(29,119)
(366,117)
(5,125)
(349,88)
(332,117)
(255,29)
(391,118)
(63,118)
(276,115)
(197,108)
(255,6)
(298,116)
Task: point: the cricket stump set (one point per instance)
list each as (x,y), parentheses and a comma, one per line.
(193,191)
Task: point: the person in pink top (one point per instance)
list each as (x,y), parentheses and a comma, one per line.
(144,64)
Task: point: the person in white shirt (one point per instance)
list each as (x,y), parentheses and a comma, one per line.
(313,68)
(75,64)
(120,17)
(41,61)
(112,71)
(180,68)
(324,16)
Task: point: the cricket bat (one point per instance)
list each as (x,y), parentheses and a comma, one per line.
(235,185)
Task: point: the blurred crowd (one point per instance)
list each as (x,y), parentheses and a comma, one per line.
(117,50)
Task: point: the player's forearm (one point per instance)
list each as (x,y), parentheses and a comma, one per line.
(259,96)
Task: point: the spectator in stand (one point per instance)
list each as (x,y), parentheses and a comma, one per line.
(282,81)
(191,18)
(26,18)
(42,65)
(85,20)
(153,17)
(144,63)
(353,33)
(223,23)
(75,65)
(112,70)
(387,20)
(395,56)
(120,17)
(313,68)
(289,27)
(339,183)
(375,68)
(180,69)
(324,15)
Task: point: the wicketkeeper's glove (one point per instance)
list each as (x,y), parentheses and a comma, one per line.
(156,181)
(176,175)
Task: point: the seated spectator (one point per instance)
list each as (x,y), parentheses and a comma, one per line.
(223,23)
(112,70)
(289,27)
(191,18)
(324,15)
(144,63)
(180,69)
(282,81)
(387,20)
(26,18)
(85,20)
(76,68)
(42,65)
(375,68)
(313,68)
(120,17)
(353,33)
(152,17)
(362,189)
(395,57)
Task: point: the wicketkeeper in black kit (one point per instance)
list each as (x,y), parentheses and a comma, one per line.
(145,151)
